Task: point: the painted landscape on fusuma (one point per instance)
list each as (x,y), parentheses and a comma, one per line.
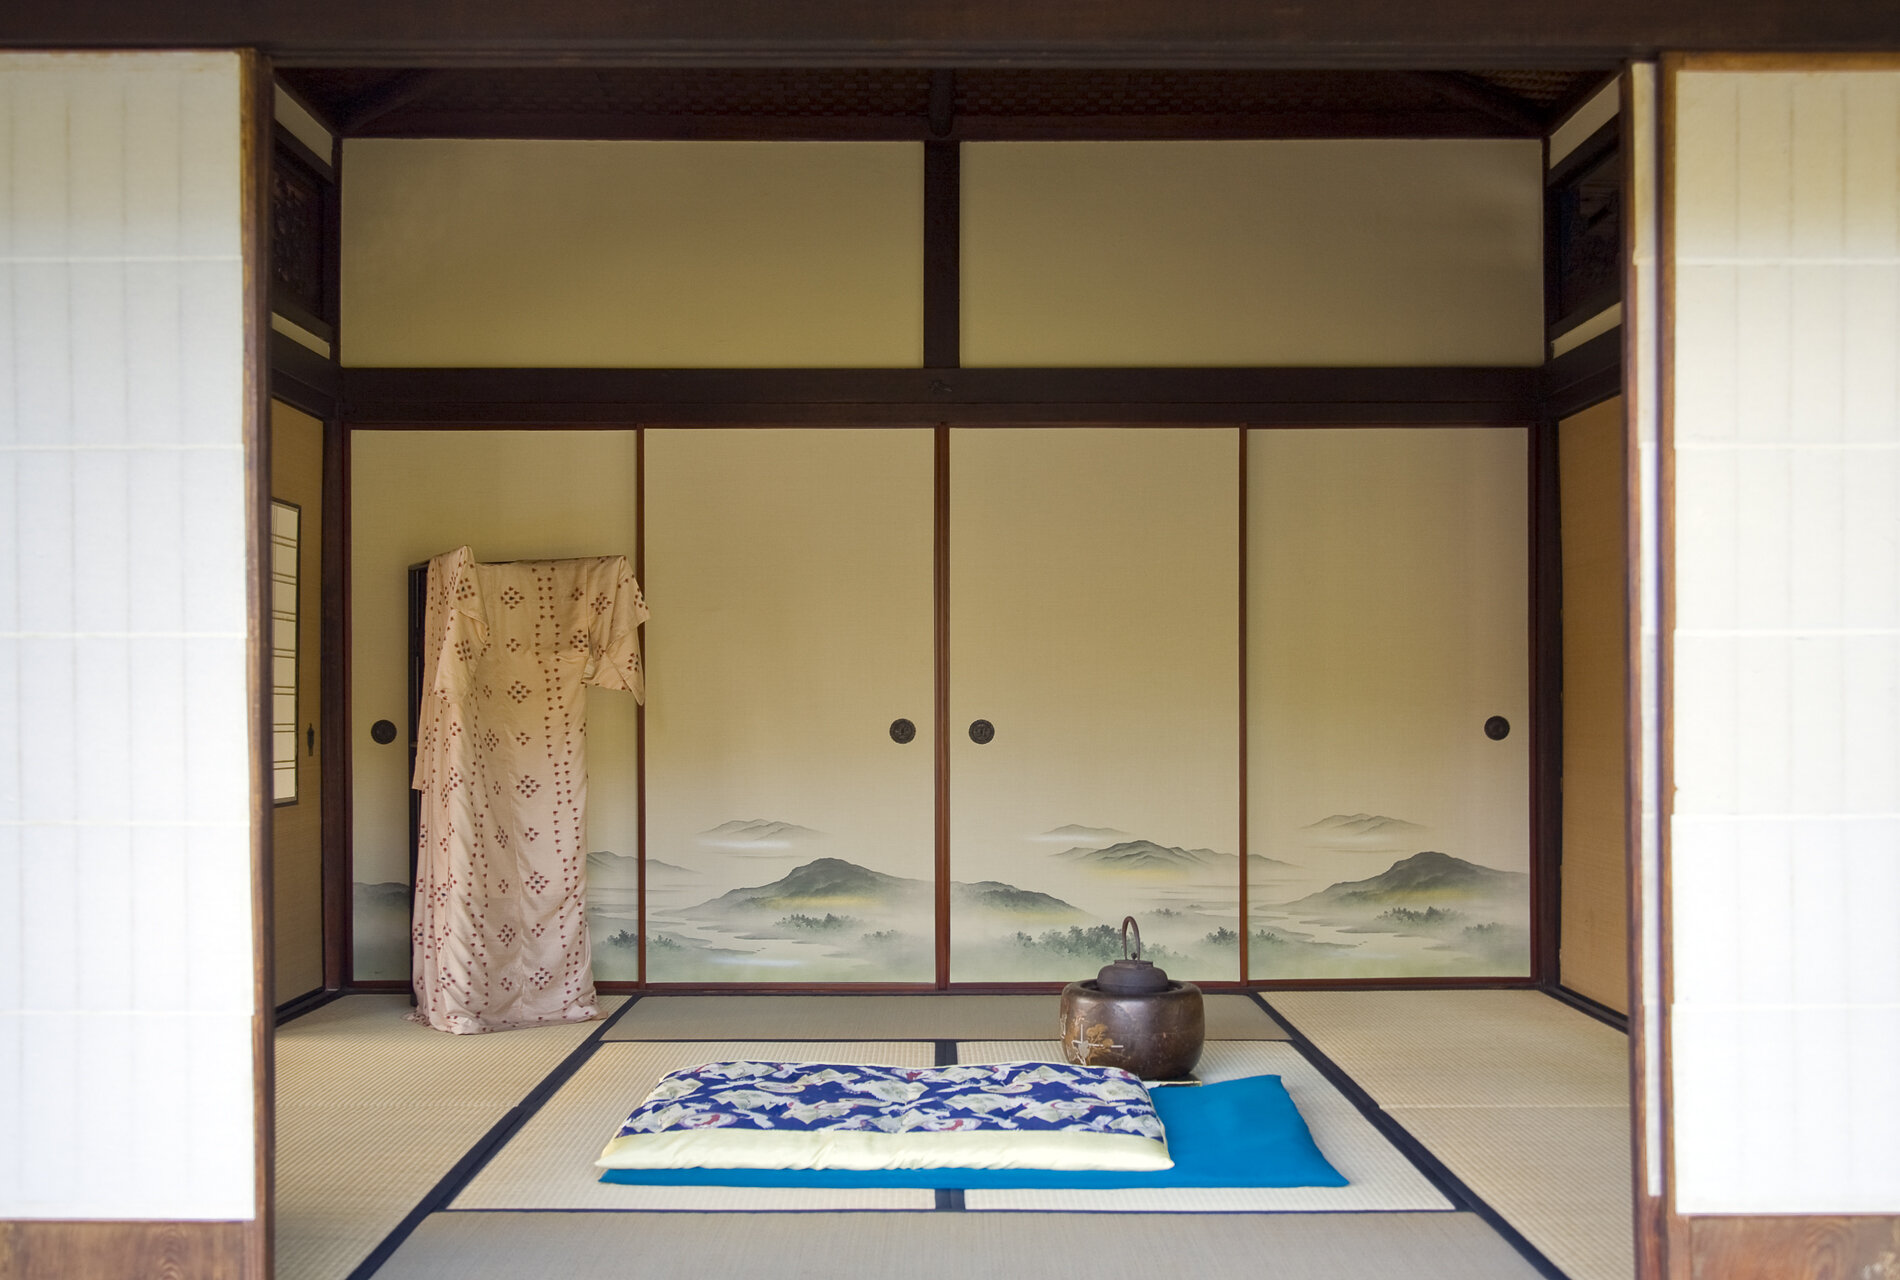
(765,900)
(1369,898)
(1395,906)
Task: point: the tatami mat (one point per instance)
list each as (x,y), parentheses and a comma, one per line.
(1561,1175)
(362,1051)
(1522,1097)
(346,1177)
(1465,1048)
(1379,1174)
(549,1164)
(953,1246)
(896,1017)
(372,1110)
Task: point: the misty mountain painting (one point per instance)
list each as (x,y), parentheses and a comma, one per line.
(775,908)
(771,900)
(1422,912)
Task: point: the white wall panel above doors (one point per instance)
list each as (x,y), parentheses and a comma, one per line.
(790,837)
(1094,622)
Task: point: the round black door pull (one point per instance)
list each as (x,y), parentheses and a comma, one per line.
(1497,728)
(981,731)
(902,731)
(383,731)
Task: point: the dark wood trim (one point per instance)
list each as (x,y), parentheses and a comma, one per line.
(302,378)
(1594,150)
(1760,1247)
(940,577)
(322,168)
(255,115)
(1546,696)
(1246,913)
(1584,1004)
(39,1250)
(1577,101)
(1587,374)
(888,397)
(1465,90)
(943,248)
(282,304)
(322,118)
(1837,58)
(334,713)
(415,629)
(1120,33)
(333,252)
(1315,125)
(1593,305)
(640,710)
(1389,984)
(1586,153)
(290,1010)
(402,90)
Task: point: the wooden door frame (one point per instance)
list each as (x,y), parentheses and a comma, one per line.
(937,396)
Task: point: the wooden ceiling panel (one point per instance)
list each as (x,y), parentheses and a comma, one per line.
(897,103)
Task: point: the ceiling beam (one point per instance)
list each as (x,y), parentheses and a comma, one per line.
(943,102)
(398,91)
(972,33)
(1469,91)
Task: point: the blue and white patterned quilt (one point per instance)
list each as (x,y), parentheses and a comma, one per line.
(842,1115)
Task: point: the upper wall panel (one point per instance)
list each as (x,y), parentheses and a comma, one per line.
(1253,253)
(466,253)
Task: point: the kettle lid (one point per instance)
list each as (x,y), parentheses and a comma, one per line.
(1131,975)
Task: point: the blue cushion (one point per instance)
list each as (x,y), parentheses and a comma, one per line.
(1239,1133)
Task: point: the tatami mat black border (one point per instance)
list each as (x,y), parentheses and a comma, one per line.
(949,1199)
(291,1010)
(443,1193)
(1585,1005)
(1399,1136)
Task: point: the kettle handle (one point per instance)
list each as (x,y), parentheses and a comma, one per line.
(1128,922)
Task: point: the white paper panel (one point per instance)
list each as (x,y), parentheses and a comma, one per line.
(125,748)
(1787,649)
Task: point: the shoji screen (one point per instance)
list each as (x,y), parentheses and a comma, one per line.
(126,987)
(1785,840)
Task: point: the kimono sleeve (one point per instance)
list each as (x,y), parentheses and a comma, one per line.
(616,636)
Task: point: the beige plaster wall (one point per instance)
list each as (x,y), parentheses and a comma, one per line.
(1593,958)
(462,252)
(1253,253)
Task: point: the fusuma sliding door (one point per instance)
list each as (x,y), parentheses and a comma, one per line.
(790,818)
(1388,703)
(1094,595)
(1094,691)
